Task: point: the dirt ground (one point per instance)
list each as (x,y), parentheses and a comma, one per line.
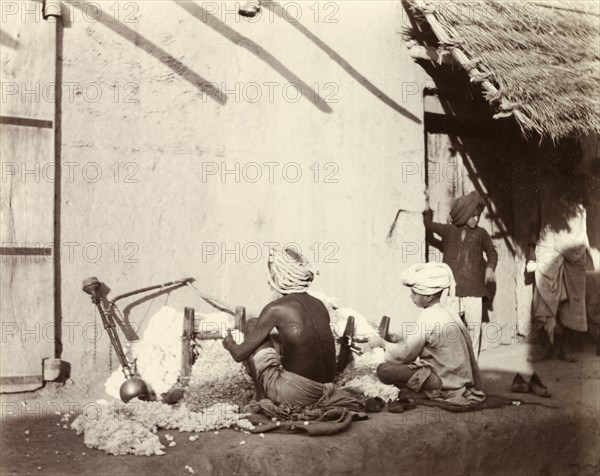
(559,435)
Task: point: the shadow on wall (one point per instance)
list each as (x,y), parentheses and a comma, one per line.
(533,186)
(210,87)
(363,81)
(141,42)
(8,41)
(240,40)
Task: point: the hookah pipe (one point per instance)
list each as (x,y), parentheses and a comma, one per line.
(133,386)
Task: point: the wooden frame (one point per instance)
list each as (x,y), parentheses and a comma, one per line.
(192,332)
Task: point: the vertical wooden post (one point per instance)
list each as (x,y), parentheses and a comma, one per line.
(240,318)
(187,351)
(384,327)
(27,281)
(345,355)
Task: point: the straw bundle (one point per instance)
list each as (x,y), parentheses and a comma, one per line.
(538,61)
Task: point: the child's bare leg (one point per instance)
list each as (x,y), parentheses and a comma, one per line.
(473,315)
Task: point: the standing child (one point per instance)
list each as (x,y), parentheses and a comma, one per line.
(436,356)
(463,245)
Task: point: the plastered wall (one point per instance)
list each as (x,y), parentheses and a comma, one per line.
(215,135)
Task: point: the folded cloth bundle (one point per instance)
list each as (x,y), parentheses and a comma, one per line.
(312,421)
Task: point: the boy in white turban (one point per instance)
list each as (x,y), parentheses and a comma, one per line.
(436,358)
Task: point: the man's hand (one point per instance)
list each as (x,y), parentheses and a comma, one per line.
(490,277)
(394,338)
(228,341)
(376,341)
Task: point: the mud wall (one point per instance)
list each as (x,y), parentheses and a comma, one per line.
(192,138)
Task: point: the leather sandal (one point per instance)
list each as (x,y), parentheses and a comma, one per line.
(409,403)
(538,388)
(396,407)
(520,385)
(374,404)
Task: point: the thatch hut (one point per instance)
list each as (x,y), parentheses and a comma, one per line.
(516,94)
(538,62)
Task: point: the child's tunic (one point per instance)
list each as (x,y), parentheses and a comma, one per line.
(465,257)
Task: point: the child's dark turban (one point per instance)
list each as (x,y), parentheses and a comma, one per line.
(465,207)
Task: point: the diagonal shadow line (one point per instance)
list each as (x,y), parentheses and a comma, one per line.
(212,22)
(8,41)
(138,40)
(476,179)
(368,85)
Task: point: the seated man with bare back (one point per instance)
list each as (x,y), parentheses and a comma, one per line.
(303,373)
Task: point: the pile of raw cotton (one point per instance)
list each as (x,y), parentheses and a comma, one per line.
(217,378)
(338,316)
(157,354)
(360,372)
(131,428)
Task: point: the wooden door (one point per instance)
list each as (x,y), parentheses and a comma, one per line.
(27,195)
(466,153)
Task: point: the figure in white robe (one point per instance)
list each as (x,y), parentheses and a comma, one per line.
(559,262)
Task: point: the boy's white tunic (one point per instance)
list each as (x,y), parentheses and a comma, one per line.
(440,342)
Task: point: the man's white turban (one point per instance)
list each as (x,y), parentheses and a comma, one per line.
(429,278)
(288,271)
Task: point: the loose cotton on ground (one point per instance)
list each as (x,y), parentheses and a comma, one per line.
(218,385)
(131,428)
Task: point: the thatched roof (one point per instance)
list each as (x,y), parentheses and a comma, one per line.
(538,61)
